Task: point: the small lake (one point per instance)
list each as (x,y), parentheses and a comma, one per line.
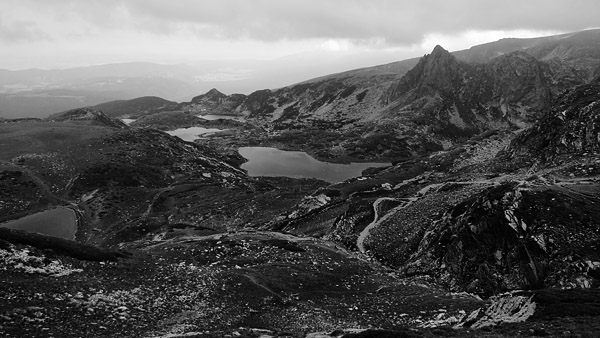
(192,133)
(57,222)
(265,161)
(212,117)
(128,121)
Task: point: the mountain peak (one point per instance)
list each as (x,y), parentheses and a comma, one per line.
(214,93)
(439,54)
(435,72)
(439,49)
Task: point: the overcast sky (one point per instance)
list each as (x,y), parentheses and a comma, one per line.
(67,33)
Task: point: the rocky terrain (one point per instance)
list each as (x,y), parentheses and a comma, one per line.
(484,226)
(412,107)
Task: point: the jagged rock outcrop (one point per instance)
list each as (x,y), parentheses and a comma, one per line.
(438,72)
(515,236)
(505,308)
(571,127)
(450,95)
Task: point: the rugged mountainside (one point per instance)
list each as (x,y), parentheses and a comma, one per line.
(578,49)
(140,106)
(486,217)
(510,90)
(109,173)
(498,232)
(443,100)
(535,233)
(571,127)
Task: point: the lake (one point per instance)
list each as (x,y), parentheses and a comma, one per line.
(127,121)
(212,117)
(192,133)
(265,161)
(57,222)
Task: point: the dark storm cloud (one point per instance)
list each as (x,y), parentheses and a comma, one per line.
(397,22)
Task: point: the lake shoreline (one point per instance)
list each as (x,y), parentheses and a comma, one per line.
(58,221)
(273,162)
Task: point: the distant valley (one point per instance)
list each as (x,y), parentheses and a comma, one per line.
(41,92)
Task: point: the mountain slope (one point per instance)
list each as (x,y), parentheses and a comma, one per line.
(581,49)
(570,128)
(87,115)
(489,216)
(440,102)
(146,105)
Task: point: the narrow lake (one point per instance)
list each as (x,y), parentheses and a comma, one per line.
(265,161)
(192,133)
(127,121)
(212,117)
(57,222)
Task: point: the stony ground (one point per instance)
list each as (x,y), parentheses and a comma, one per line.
(212,284)
(188,259)
(247,284)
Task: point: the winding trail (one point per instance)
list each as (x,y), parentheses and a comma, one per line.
(376,220)
(406,202)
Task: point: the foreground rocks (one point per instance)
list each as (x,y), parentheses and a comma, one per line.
(214,284)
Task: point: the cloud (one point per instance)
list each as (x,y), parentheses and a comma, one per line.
(397,22)
(158,30)
(20,31)
(394,22)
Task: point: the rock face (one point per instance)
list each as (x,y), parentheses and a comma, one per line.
(506,91)
(514,236)
(438,72)
(505,308)
(571,127)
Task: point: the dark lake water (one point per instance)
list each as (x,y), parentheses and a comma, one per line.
(57,222)
(212,117)
(264,161)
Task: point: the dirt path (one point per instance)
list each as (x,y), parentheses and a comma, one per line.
(406,202)
(376,220)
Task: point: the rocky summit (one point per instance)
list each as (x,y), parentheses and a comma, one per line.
(483,222)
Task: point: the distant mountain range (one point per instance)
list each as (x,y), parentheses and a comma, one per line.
(38,93)
(432,102)
(440,99)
